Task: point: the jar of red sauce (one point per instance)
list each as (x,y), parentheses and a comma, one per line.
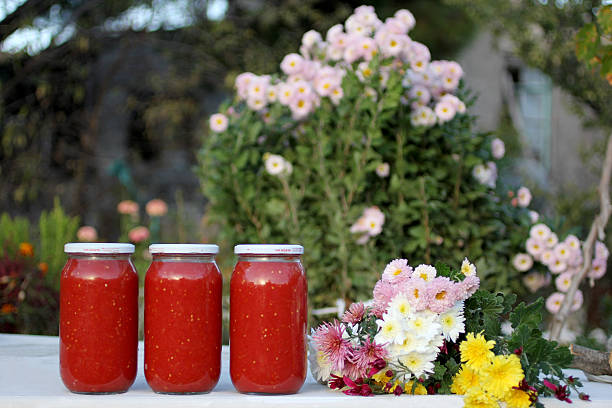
(182,319)
(98,318)
(268,318)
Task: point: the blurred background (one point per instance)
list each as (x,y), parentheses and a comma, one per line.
(107,101)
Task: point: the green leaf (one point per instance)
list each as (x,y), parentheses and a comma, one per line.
(587,41)
(604,19)
(529,315)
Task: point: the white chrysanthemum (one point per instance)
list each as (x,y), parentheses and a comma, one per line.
(468,268)
(547,257)
(552,240)
(320,366)
(562,252)
(524,196)
(274,164)
(563,282)
(311,38)
(573,242)
(425,272)
(445,111)
(522,262)
(557,266)
(452,322)
(534,247)
(534,216)
(540,231)
(382,170)
(390,330)
(498,148)
(400,308)
(424,325)
(218,122)
(418,363)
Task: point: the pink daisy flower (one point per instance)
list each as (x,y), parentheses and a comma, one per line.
(553,303)
(383,293)
(417,294)
(329,340)
(354,314)
(468,287)
(397,270)
(441,294)
(598,269)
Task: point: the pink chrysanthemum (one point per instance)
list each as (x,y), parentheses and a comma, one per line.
(417,294)
(468,287)
(383,293)
(441,294)
(367,354)
(397,270)
(354,314)
(329,340)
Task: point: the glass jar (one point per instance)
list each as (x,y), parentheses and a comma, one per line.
(98,318)
(182,319)
(268,318)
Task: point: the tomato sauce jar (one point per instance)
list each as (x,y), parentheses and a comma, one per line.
(268,318)
(98,318)
(182,319)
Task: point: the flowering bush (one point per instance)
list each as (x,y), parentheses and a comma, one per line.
(362,147)
(30,270)
(430,330)
(548,260)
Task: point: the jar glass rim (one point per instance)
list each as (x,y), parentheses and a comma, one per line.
(204,249)
(268,249)
(98,248)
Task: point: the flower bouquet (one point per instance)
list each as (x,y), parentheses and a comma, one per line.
(431,330)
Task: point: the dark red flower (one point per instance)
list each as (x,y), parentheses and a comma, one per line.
(561,391)
(357,387)
(584,397)
(518,351)
(336,382)
(398,390)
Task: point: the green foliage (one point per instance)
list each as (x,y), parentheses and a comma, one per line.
(543,36)
(56,229)
(539,357)
(593,43)
(13,231)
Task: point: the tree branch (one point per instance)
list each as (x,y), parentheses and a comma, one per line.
(597,231)
(26,11)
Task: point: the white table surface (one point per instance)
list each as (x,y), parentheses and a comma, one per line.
(29,377)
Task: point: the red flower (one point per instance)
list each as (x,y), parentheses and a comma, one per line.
(336,382)
(398,390)
(357,387)
(584,397)
(561,391)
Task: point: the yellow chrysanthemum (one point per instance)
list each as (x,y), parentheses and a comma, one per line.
(465,380)
(381,376)
(517,399)
(418,390)
(478,398)
(502,374)
(476,351)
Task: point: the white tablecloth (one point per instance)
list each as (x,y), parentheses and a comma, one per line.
(29,377)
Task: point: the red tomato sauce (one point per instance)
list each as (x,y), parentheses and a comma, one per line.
(268,318)
(98,324)
(183,326)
